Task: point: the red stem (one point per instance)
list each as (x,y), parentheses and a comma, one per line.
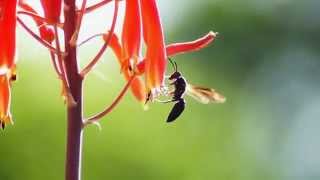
(55,65)
(89,38)
(36,17)
(35,36)
(75,35)
(97,117)
(61,61)
(96,59)
(96,6)
(74,129)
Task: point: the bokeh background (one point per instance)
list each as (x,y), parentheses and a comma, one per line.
(266,61)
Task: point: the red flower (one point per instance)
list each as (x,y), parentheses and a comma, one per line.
(52,10)
(46,32)
(7,56)
(156,58)
(137,84)
(131,34)
(153,65)
(178,48)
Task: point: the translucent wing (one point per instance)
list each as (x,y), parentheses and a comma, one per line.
(205,95)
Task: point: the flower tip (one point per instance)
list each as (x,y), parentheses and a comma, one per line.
(4,120)
(213,34)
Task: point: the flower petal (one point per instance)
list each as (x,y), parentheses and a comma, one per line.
(156,61)
(137,85)
(7,33)
(131,32)
(5,116)
(52,10)
(46,32)
(178,48)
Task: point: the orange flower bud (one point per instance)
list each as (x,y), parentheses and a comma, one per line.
(47,33)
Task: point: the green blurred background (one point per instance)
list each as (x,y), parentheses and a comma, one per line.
(265,61)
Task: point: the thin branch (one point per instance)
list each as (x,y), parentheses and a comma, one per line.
(74,38)
(34,16)
(39,20)
(94,119)
(96,6)
(91,65)
(91,37)
(35,36)
(54,63)
(61,60)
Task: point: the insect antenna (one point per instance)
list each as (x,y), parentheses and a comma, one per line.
(174,64)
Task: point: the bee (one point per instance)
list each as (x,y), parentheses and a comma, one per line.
(181,87)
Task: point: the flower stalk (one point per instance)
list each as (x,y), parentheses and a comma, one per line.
(144,72)
(74,110)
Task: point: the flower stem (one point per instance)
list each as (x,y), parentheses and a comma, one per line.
(35,36)
(74,111)
(94,119)
(96,59)
(96,6)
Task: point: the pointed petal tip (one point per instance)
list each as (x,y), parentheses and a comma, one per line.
(213,34)
(191,46)
(5,120)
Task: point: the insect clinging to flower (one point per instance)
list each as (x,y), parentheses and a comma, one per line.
(180,88)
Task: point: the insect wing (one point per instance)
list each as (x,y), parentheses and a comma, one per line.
(205,95)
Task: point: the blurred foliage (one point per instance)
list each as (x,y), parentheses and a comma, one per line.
(265,61)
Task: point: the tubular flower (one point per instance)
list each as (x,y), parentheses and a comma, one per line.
(184,47)
(7,56)
(52,10)
(178,48)
(137,85)
(156,60)
(145,13)
(131,34)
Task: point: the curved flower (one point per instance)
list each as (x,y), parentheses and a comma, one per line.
(153,65)
(7,56)
(179,48)
(137,85)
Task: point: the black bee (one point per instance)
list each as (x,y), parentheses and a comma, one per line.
(180,87)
